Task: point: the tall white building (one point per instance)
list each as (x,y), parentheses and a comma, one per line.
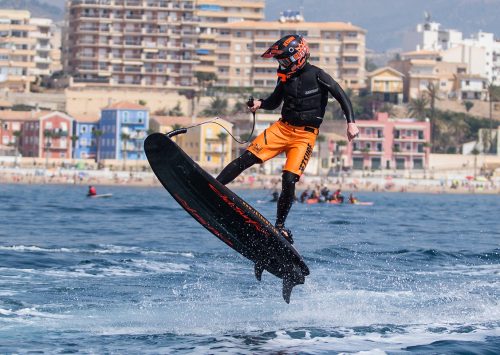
(480,52)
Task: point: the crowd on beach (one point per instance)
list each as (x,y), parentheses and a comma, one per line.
(61,175)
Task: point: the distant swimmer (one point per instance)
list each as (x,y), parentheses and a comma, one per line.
(92,191)
(353,199)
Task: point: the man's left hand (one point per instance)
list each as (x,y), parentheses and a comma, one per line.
(352,131)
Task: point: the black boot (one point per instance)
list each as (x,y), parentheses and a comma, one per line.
(286,233)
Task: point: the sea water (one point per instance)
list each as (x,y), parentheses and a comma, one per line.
(136,274)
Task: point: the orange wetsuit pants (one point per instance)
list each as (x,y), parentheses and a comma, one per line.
(296,142)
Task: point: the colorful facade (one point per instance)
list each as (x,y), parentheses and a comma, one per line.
(124,127)
(48,136)
(385,143)
(84,144)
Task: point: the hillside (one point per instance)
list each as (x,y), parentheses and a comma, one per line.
(36,7)
(387,20)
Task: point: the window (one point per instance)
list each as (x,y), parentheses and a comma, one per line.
(237,47)
(83,129)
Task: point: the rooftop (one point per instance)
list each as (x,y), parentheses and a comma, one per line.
(268,25)
(10,115)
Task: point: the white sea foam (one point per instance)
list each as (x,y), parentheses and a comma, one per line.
(103,249)
(30,312)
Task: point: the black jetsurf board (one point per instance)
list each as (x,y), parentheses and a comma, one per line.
(224,214)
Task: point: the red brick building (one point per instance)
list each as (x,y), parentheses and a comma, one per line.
(48,135)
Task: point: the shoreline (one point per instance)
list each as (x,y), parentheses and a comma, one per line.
(253,181)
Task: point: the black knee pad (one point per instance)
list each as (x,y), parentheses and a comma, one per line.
(289,179)
(247,159)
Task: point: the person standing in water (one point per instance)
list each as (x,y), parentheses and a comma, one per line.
(92,191)
(303,89)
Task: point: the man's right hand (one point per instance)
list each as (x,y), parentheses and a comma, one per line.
(256,105)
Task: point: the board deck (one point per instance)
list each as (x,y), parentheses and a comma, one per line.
(225,214)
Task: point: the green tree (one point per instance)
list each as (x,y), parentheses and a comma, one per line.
(433,94)
(418,107)
(48,134)
(190,94)
(125,137)
(218,107)
(97,133)
(222,138)
(468,105)
(319,139)
(176,111)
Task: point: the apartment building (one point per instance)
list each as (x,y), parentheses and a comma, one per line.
(147,43)
(480,52)
(26,49)
(385,143)
(421,68)
(338,48)
(213,12)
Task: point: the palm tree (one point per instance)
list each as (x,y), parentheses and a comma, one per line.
(48,134)
(190,94)
(97,134)
(433,95)
(340,148)
(222,138)
(125,137)
(204,80)
(475,152)
(493,95)
(320,139)
(366,153)
(17,134)
(218,107)
(417,107)
(73,138)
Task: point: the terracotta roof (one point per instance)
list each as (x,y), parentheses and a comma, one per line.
(421,52)
(125,105)
(10,115)
(269,25)
(381,70)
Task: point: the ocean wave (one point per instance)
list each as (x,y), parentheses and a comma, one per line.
(95,249)
(417,254)
(107,268)
(28,313)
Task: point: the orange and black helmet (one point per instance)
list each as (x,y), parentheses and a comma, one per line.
(291,51)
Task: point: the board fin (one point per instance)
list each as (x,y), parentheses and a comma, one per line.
(290,281)
(259,269)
